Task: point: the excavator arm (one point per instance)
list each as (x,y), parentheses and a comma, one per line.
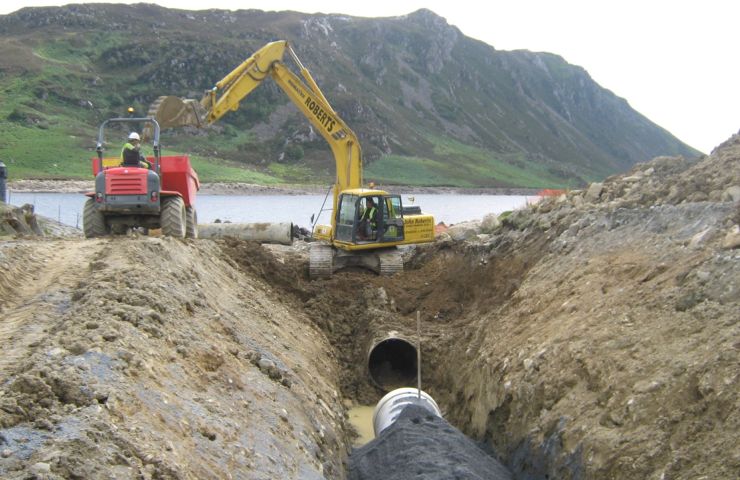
(376,250)
(305,94)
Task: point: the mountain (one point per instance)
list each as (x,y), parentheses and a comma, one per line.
(430,105)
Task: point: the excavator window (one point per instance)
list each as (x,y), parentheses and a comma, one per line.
(392,218)
(346,217)
(369,219)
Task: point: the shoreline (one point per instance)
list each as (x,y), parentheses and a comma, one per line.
(220,188)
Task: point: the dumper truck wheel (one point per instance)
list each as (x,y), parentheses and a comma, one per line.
(93,220)
(191,226)
(172,218)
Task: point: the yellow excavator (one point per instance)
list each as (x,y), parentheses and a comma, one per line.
(366,224)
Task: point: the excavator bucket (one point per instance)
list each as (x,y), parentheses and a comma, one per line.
(170,111)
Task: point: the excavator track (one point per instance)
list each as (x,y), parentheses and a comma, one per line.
(390,263)
(320,261)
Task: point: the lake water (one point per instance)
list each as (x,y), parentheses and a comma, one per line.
(447,208)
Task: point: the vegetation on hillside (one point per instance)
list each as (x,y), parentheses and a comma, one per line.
(430,106)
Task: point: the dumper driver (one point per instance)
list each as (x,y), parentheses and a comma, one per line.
(131,153)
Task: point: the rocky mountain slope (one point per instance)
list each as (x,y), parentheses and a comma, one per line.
(430,105)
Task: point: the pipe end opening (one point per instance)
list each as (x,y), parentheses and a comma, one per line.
(392,363)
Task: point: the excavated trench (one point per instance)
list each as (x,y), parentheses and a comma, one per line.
(600,346)
(371,321)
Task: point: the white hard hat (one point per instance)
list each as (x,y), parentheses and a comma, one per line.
(133,136)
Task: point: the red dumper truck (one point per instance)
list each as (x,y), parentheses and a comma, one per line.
(126,197)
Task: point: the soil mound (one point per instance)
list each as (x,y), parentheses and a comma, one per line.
(157,358)
(597,331)
(22,221)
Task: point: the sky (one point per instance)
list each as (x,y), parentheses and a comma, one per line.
(674,61)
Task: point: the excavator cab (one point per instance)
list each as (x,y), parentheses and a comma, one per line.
(369,217)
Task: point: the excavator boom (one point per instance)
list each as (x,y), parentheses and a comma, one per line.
(225,96)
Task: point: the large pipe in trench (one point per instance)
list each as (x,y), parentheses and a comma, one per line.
(392,361)
(258,232)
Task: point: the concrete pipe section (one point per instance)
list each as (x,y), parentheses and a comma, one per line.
(391,362)
(258,232)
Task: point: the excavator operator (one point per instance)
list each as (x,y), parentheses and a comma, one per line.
(131,153)
(368,220)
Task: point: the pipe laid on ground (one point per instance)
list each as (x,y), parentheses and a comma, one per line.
(392,361)
(258,232)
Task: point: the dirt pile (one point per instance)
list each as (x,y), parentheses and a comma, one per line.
(597,332)
(674,180)
(156,358)
(22,221)
(18,220)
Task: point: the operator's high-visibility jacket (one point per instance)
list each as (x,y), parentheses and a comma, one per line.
(130,156)
(370,215)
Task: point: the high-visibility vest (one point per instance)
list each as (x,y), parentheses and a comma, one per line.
(128,147)
(371,215)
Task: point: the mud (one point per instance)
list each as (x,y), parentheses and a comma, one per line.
(593,335)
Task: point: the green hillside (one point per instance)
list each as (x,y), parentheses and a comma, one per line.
(430,106)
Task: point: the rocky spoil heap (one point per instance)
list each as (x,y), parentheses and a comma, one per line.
(600,326)
(23,222)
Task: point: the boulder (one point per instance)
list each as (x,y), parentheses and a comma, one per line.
(464,230)
(732,239)
(731,194)
(594,192)
(490,223)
